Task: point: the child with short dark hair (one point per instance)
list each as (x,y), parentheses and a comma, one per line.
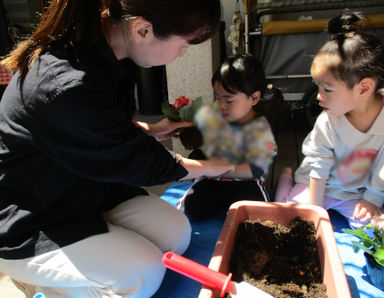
(236,131)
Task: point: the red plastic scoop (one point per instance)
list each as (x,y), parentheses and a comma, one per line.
(211,278)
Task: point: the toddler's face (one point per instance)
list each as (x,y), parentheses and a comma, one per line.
(236,108)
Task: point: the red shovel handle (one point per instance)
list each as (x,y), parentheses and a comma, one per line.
(198,272)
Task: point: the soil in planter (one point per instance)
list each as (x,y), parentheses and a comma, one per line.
(282,261)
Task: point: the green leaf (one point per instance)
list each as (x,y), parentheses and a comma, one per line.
(379,253)
(378,235)
(379,256)
(188,112)
(371,241)
(368,242)
(380,261)
(358,245)
(358,232)
(169,111)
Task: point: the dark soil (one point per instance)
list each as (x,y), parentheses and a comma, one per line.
(282,261)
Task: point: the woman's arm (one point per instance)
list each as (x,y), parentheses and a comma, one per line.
(316,191)
(163,129)
(196,168)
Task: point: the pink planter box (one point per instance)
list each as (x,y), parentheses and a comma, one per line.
(282,213)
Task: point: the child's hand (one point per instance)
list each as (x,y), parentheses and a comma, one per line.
(365,211)
(378,221)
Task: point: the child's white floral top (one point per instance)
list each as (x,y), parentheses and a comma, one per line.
(252,142)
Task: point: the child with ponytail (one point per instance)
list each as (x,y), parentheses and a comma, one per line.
(344,152)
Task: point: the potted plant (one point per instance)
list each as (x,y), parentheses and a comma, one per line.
(184,109)
(282,213)
(372,243)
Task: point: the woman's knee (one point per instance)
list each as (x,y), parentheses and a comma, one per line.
(169,228)
(135,279)
(155,220)
(144,277)
(120,263)
(178,235)
(131,266)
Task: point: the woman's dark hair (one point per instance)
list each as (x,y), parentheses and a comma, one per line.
(64,22)
(78,23)
(241,73)
(360,54)
(200,18)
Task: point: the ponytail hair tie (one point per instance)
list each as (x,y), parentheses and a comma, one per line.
(343,24)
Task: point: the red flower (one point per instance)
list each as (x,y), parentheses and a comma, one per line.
(180,102)
(270,145)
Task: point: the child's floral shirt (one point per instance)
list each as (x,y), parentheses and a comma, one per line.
(252,142)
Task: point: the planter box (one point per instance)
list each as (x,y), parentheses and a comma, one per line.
(332,268)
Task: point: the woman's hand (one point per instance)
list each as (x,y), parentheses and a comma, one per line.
(365,211)
(219,167)
(242,171)
(211,168)
(163,129)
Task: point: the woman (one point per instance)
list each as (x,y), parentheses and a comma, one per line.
(74,220)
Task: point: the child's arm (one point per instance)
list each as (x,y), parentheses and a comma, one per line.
(316,191)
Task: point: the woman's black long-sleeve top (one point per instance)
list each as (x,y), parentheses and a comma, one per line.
(69,151)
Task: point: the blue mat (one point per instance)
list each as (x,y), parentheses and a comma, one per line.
(206,233)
